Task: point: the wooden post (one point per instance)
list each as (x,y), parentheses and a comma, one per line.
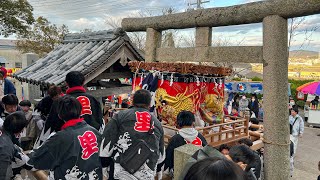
(153,41)
(275,85)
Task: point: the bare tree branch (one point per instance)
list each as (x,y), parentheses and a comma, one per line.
(186,40)
(112,22)
(294,24)
(139,38)
(295,29)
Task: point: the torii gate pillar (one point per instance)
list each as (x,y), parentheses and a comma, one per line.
(275,85)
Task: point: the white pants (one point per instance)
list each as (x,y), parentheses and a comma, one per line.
(295,143)
(291,166)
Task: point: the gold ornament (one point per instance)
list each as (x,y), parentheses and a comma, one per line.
(179,102)
(214,103)
(167,115)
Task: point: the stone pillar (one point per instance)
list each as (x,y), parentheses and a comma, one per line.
(275,88)
(203,36)
(203,39)
(153,41)
(181,156)
(31,92)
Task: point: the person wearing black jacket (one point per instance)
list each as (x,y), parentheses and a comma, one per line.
(9,105)
(44,106)
(91,108)
(73,152)
(186,135)
(254,105)
(42,109)
(133,138)
(9,151)
(315,102)
(245,158)
(256,164)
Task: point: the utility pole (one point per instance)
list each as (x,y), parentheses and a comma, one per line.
(198,3)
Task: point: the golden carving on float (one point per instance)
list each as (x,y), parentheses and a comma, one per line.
(214,103)
(179,103)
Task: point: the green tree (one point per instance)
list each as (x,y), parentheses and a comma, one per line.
(256,79)
(236,79)
(15,17)
(42,38)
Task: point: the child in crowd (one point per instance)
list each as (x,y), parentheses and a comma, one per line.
(253,121)
(224,149)
(11,158)
(187,135)
(73,152)
(234,113)
(31,131)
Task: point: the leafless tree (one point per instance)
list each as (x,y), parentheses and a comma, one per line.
(187,40)
(112,22)
(296,28)
(139,38)
(294,24)
(220,42)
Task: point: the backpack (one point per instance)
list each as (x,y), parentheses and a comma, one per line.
(133,159)
(137,155)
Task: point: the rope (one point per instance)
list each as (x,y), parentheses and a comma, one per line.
(273,143)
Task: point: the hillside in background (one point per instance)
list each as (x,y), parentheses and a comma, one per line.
(304,54)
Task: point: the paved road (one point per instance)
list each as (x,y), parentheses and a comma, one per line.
(308,155)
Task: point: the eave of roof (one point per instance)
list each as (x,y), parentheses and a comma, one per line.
(79,52)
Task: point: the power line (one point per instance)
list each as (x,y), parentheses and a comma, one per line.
(71,11)
(52,3)
(91,14)
(75,7)
(198,3)
(93,9)
(75,11)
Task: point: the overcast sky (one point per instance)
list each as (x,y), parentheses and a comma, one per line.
(91,14)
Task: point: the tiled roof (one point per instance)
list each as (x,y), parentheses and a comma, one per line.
(83,52)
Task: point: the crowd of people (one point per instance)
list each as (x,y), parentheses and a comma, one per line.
(238,105)
(66,137)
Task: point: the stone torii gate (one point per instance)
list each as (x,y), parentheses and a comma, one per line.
(273,54)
